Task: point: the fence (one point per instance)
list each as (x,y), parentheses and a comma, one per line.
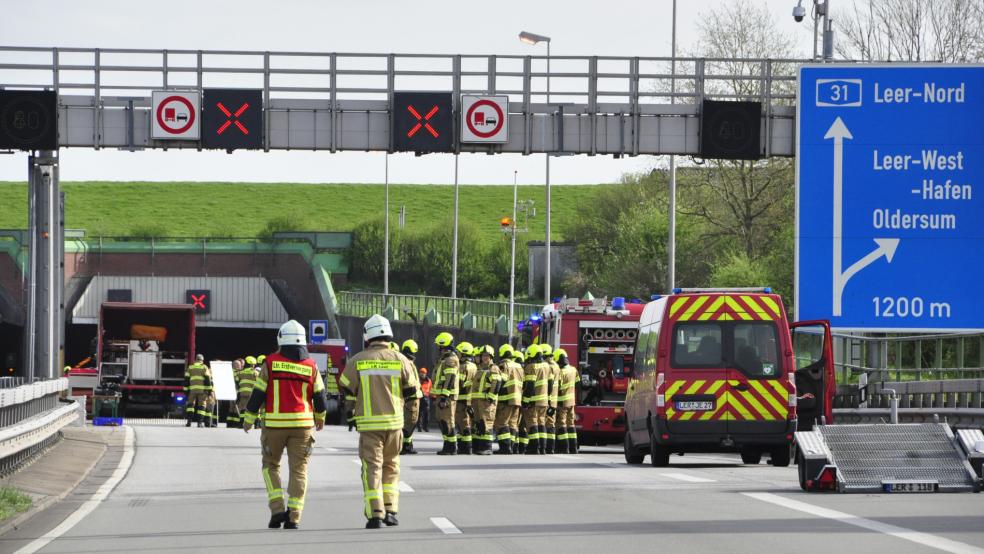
(450,310)
(30,418)
(909,358)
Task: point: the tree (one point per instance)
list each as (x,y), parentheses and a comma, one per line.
(912,30)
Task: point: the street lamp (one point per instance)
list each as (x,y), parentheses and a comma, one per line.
(533,38)
(512,270)
(671,240)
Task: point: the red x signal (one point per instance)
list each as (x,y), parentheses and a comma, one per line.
(422,122)
(230,116)
(199,301)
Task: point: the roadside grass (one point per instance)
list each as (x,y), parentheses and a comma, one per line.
(12,502)
(223,210)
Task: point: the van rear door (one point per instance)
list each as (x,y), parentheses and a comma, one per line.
(815,381)
(696,380)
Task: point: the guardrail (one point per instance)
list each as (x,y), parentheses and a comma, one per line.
(414,307)
(909,357)
(30,417)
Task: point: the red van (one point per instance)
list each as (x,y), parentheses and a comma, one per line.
(716,371)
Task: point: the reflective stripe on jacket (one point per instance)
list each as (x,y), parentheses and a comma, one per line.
(486,380)
(466,379)
(292,393)
(446,377)
(535,384)
(377,379)
(511,392)
(568,380)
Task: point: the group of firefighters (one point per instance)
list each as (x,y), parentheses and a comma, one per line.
(199,389)
(481,398)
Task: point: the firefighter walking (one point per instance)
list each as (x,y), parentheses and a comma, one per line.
(380,379)
(445,390)
(198,381)
(535,400)
(246,381)
(463,415)
(411,408)
(290,388)
(566,400)
(485,394)
(509,400)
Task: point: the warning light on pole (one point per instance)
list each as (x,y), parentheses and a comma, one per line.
(505,222)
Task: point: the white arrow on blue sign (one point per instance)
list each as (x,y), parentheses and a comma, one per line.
(889,214)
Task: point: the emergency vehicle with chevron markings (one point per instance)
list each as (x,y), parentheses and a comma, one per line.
(715,371)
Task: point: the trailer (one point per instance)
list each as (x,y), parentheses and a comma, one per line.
(142,351)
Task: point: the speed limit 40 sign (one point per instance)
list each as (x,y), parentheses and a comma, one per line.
(484,118)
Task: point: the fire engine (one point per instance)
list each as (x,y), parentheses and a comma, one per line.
(599,338)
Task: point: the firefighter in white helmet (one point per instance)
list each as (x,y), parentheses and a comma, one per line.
(380,379)
(290,387)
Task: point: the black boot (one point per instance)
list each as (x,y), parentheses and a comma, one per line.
(291,525)
(374,523)
(531,446)
(483,448)
(390,519)
(551,437)
(189,423)
(464,446)
(505,447)
(408,446)
(278,519)
(560,447)
(450,449)
(541,447)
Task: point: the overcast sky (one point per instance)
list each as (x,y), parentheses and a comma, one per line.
(577,27)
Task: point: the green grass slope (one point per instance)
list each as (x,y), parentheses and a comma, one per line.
(222,210)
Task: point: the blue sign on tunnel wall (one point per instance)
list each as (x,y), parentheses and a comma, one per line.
(889,197)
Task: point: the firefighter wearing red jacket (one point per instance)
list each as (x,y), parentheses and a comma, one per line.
(290,388)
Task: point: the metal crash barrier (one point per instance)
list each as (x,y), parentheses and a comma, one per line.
(30,417)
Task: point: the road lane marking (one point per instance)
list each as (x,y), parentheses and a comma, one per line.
(445,525)
(924,539)
(687,478)
(405,487)
(92,503)
(566,457)
(330,449)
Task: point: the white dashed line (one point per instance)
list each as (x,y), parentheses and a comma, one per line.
(924,539)
(687,478)
(445,525)
(566,457)
(405,487)
(330,449)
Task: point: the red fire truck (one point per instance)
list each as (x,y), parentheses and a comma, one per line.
(331,355)
(599,337)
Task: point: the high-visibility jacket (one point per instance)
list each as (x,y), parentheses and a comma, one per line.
(553,382)
(466,379)
(379,379)
(535,384)
(198,378)
(291,392)
(331,384)
(568,380)
(446,377)
(425,387)
(511,392)
(246,379)
(486,383)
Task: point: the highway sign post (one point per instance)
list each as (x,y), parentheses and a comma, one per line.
(888,209)
(174,115)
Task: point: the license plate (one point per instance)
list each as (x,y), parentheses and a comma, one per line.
(695,406)
(910,486)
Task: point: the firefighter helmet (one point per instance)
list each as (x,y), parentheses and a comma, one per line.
(465,348)
(251,360)
(506,351)
(444,339)
(394,347)
(377,327)
(261,358)
(558,353)
(199,358)
(291,333)
(487,349)
(410,346)
(532,351)
(546,350)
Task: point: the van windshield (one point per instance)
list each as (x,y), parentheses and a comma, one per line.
(749,346)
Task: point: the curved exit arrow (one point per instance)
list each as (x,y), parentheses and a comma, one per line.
(886,247)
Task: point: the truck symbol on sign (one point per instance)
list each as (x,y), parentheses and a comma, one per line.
(171,115)
(481,119)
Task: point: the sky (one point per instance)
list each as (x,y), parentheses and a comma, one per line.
(577,27)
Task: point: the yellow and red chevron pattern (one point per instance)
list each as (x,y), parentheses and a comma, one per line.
(725,307)
(764,400)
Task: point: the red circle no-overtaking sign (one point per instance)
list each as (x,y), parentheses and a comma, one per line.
(483,122)
(173,121)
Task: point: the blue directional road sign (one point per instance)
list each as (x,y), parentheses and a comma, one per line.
(890,197)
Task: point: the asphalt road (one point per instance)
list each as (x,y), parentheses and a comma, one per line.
(200,490)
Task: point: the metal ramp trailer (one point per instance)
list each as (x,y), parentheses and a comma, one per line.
(918,457)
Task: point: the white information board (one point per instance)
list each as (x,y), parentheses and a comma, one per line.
(222,380)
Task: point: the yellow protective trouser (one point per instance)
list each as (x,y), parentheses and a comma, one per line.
(463,422)
(445,416)
(380,455)
(196,406)
(484,419)
(299,443)
(242,401)
(411,411)
(506,422)
(565,423)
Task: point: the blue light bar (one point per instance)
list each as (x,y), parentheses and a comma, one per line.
(767,290)
(618,303)
(677,290)
(655,297)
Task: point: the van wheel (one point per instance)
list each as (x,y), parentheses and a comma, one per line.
(780,456)
(659,456)
(751,457)
(632,455)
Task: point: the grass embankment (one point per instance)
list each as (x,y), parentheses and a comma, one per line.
(12,502)
(224,210)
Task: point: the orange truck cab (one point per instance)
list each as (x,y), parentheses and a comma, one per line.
(716,371)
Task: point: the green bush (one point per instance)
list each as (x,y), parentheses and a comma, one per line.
(12,502)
